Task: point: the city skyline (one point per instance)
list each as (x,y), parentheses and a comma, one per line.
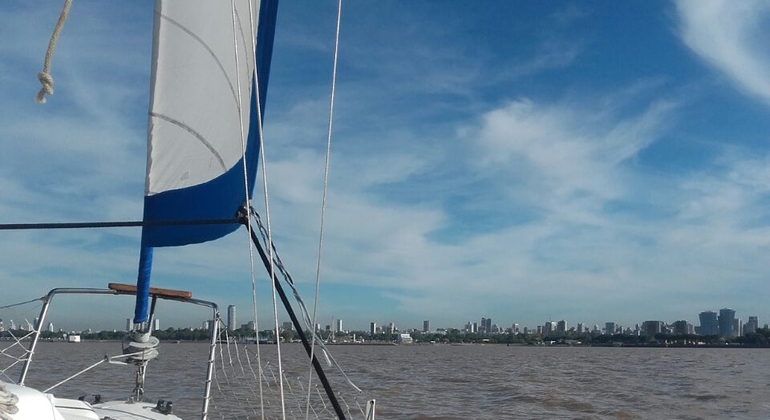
(524,161)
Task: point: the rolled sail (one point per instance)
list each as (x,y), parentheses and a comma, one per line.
(203,97)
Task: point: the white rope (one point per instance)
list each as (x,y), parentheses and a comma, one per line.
(323,203)
(8,402)
(44,76)
(253,38)
(263,161)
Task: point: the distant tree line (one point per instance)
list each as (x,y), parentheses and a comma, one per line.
(761,338)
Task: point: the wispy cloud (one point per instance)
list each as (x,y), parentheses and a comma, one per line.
(729,36)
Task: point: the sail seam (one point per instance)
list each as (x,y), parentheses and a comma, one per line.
(209,50)
(194,133)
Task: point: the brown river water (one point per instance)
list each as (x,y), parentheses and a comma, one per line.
(448,382)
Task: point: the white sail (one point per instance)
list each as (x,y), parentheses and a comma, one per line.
(203,68)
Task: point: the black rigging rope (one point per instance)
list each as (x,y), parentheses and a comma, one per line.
(88,225)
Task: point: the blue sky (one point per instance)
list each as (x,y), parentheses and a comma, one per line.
(522,161)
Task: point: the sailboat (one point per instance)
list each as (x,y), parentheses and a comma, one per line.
(210,71)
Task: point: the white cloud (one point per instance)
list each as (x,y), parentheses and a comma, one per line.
(728,35)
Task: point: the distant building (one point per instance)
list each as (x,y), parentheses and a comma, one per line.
(231,321)
(425,326)
(206,325)
(737,328)
(609,328)
(549,327)
(727,323)
(405,338)
(515,328)
(650,328)
(751,326)
(50,327)
(339,326)
(581,328)
(392,328)
(156,325)
(251,326)
(372,328)
(708,323)
(128,324)
(682,327)
(561,326)
(287,326)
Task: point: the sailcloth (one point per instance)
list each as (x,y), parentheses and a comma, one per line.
(203,93)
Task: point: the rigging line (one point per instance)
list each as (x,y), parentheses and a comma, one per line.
(253,37)
(22,303)
(323,201)
(44,76)
(305,314)
(142,223)
(243,146)
(295,321)
(263,161)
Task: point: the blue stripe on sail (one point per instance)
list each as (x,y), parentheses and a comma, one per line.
(219,198)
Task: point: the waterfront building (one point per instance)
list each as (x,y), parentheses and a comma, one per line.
(609,328)
(405,338)
(206,325)
(515,328)
(682,327)
(549,327)
(425,326)
(156,325)
(650,328)
(231,321)
(50,327)
(475,328)
(540,329)
(727,323)
(287,326)
(738,328)
(708,323)
(392,328)
(128,324)
(561,326)
(339,326)
(251,326)
(372,328)
(751,326)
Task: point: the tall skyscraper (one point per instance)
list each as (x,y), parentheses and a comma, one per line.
(488,326)
(231,321)
(425,326)
(727,323)
(561,326)
(128,324)
(156,324)
(609,328)
(372,328)
(50,327)
(708,323)
(339,326)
